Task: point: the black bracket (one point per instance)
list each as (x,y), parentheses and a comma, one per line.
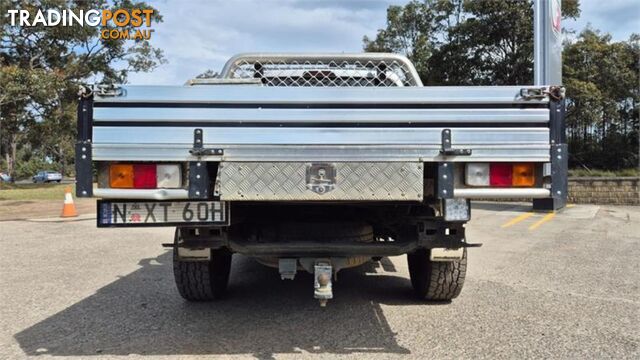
(198,180)
(435,233)
(198,147)
(444,182)
(198,170)
(84,169)
(445,146)
(559,160)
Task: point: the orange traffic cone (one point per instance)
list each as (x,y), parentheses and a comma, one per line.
(69,209)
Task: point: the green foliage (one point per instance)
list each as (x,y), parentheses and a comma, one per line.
(208,74)
(490,42)
(603,97)
(458,42)
(409,31)
(41,68)
(27,169)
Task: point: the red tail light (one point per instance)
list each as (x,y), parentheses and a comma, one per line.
(144,176)
(500,175)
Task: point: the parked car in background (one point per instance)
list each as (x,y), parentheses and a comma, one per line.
(4,177)
(47,176)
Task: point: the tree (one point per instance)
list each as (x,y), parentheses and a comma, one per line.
(464,42)
(24,93)
(409,31)
(208,74)
(601,78)
(41,67)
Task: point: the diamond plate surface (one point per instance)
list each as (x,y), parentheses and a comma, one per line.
(286,181)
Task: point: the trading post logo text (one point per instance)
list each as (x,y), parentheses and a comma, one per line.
(119,24)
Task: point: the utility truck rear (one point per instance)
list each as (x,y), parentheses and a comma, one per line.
(320,162)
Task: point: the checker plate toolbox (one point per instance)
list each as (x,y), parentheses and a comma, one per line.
(295,181)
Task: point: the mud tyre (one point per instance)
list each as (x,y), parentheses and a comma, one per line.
(202,280)
(436,281)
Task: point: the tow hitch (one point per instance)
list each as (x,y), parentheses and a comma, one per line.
(322,270)
(322,282)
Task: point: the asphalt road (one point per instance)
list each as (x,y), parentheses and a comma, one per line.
(563,286)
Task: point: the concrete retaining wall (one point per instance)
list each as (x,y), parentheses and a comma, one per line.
(601,190)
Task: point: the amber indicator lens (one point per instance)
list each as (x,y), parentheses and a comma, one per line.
(121,176)
(523,175)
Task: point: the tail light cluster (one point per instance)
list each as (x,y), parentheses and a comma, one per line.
(500,174)
(145,176)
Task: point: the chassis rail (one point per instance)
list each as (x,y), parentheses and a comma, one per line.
(424,233)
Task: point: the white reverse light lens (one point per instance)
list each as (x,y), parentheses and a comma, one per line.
(477,174)
(169,176)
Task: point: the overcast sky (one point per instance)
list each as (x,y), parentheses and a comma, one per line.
(200,35)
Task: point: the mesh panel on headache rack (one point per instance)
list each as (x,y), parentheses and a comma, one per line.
(324,73)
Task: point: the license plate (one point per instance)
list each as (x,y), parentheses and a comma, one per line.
(162,213)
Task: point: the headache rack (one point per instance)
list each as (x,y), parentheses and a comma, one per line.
(322,70)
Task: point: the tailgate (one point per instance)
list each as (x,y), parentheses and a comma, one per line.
(253,123)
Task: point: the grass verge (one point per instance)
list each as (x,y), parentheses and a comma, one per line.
(33,191)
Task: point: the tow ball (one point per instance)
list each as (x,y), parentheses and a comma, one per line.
(322,282)
(322,270)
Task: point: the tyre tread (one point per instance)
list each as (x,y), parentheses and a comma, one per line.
(202,280)
(434,280)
